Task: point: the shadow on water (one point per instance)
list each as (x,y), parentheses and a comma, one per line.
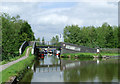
(51,69)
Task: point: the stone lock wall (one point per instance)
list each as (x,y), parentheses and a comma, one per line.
(72,48)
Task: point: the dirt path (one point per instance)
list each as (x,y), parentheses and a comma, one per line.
(2,67)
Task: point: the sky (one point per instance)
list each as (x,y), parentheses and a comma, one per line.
(48,19)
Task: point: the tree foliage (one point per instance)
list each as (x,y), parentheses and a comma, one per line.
(105,36)
(14,32)
(54,40)
(43,41)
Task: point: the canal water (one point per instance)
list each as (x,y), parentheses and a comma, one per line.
(52,69)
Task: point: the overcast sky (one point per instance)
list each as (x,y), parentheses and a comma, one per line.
(49,18)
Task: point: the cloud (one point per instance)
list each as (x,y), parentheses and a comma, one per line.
(53,19)
(56,19)
(8,9)
(93,13)
(59,0)
(49,18)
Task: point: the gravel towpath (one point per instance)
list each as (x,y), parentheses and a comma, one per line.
(2,67)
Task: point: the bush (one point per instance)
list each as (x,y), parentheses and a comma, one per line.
(99,55)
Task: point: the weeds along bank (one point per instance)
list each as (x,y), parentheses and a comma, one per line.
(15,58)
(17,70)
(87,55)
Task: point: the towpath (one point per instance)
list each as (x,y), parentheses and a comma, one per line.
(2,67)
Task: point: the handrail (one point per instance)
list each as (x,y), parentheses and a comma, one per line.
(22,47)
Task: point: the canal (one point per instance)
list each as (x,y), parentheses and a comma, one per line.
(52,69)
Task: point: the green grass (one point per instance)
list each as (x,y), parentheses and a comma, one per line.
(109,50)
(15,69)
(109,54)
(15,58)
(83,55)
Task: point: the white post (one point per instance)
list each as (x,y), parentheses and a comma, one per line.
(32,51)
(98,50)
(57,53)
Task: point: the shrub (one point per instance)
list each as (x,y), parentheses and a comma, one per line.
(99,55)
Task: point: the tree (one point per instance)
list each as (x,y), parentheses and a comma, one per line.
(53,40)
(43,41)
(115,34)
(91,37)
(119,37)
(71,34)
(38,39)
(14,32)
(57,38)
(105,36)
(109,37)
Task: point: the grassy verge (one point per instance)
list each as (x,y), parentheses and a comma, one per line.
(15,58)
(109,54)
(109,50)
(15,69)
(86,55)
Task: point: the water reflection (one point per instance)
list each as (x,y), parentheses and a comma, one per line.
(51,69)
(103,72)
(27,77)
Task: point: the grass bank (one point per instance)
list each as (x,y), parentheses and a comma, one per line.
(16,69)
(87,55)
(15,58)
(109,50)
